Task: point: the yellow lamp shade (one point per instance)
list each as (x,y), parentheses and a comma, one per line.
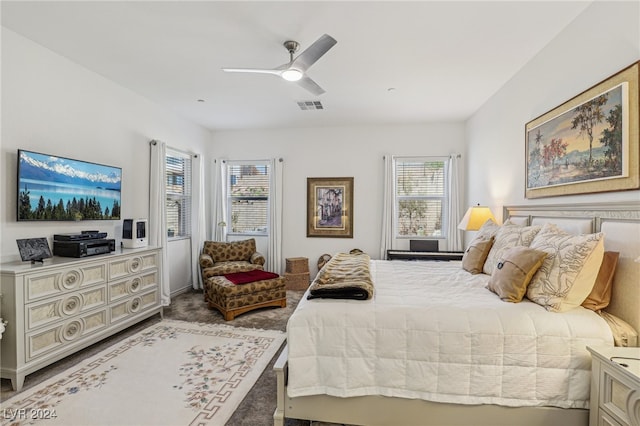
(475,217)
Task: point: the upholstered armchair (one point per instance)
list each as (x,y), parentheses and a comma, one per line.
(219,258)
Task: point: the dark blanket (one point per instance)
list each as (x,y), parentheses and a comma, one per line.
(250,276)
(345,276)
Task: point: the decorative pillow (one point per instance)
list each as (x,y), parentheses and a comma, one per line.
(569,272)
(600,295)
(475,255)
(508,236)
(487,230)
(514,271)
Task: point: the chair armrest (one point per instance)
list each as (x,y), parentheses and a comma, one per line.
(257,259)
(205,261)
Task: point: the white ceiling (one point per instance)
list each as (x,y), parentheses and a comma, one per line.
(395,62)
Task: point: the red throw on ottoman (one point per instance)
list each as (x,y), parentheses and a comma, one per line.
(236,293)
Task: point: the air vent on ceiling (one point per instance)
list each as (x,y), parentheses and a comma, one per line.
(310,105)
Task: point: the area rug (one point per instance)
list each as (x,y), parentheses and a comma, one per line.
(172,373)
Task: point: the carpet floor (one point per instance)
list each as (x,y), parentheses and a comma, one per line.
(257,407)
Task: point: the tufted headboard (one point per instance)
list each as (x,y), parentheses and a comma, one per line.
(620,223)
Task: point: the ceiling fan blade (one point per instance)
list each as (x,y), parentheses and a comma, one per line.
(310,85)
(313,52)
(253,70)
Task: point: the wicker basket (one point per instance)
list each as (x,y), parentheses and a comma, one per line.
(296,281)
(297,265)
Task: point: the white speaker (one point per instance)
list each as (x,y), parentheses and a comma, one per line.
(134,233)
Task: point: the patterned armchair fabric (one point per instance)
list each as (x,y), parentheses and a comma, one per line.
(219,258)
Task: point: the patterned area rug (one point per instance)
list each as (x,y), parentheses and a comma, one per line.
(172,373)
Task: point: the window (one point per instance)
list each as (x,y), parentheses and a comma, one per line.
(178,208)
(421,194)
(247,197)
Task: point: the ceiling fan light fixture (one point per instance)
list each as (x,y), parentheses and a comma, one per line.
(292,74)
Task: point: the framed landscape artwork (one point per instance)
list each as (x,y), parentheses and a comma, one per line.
(588,144)
(330,207)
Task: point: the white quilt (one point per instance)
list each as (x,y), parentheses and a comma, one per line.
(434,332)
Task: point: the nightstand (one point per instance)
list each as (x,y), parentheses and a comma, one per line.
(615,389)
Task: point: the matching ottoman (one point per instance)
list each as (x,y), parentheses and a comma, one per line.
(235,299)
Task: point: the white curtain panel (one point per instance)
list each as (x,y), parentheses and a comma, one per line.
(219,201)
(386,238)
(274,258)
(198,224)
(157,214)
(454,239)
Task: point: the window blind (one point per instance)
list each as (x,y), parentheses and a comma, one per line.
(178,200)
(420,196)
(248,197)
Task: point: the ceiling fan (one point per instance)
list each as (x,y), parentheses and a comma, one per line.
(295,70)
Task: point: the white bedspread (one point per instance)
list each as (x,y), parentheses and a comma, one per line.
(434,332)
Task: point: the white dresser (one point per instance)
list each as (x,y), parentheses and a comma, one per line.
(615,388)
(65,304)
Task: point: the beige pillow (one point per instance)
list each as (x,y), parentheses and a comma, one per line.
(514,271)
(475,255)
(487,230)
(600,295)
(569,272)
(508,236)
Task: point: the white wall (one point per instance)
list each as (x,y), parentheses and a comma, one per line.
(603,40)
(336,152)
(54,106)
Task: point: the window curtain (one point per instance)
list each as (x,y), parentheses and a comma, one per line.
(157,213)
(454,237)
(218,208)
(386,238)
(198,224)
(274,258)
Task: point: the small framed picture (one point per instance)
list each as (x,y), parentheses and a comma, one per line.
(34,249)
(330,207)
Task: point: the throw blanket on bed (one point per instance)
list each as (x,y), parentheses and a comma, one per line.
(345,276)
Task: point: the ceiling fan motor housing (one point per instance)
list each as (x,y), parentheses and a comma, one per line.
(291,46)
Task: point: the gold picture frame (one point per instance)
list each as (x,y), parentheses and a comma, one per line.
(330,207)
(588,144)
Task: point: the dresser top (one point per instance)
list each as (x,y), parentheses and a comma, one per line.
(19,267)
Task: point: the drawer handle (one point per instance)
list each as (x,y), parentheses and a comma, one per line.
(135,304)
(72,330)
(135,264)
(71,305)
(71,279)
(135,284)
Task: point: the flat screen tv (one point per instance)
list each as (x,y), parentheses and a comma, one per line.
(59,188)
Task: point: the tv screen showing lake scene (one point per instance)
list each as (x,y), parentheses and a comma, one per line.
(58,188)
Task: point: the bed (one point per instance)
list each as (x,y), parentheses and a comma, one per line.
(412,354)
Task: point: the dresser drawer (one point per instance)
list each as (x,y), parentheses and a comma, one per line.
(132,285)
(121,268)
(133,306)
(64,307)
(43,342)
(54,282)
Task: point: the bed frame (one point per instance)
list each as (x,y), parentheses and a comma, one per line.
(621,224)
